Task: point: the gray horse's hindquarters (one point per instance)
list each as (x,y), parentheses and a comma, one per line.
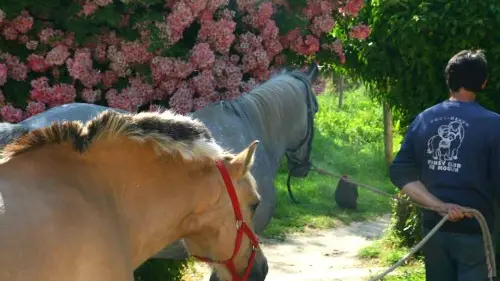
(9,132)
(82,112)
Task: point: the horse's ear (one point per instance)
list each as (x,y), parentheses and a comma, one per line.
(243,161)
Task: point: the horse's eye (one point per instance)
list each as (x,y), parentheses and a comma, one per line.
(254,207)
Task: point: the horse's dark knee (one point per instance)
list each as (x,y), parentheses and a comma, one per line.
(346,194)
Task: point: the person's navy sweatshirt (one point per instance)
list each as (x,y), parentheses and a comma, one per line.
(453,148)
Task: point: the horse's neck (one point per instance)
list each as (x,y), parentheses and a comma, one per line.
(280,119)
(152,199)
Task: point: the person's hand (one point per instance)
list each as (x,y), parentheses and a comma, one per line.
(455,212)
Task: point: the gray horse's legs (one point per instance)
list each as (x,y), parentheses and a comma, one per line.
(265,211)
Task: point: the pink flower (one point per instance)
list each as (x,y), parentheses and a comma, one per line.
(116,100)
(213,5)
(40,83)
(63,93)
(182,100)
(50,36)
(136,52)
(227,14)
(360,32)
(3,74)
(89,8)
(322,24)
(57,56)
(23,23)
(17,70)
(100,52)
(306,47)
(317,8)
(11,114)
(81,68)
(202,56)
(10,33)
(269,30)
(178,20)
(352,7)
(248,42)
(219,34)
(262,15)
(2,98)
(108,79)
(91,96)
(34,108)
(118,62)
(37,63)
(169,86)
(204,83)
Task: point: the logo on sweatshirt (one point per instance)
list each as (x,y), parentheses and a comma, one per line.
(444,147)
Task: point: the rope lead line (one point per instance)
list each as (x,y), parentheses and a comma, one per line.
(488,244)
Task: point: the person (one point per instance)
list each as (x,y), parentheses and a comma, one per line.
(449,159)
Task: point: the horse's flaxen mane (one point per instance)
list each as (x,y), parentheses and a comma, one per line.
(170,133)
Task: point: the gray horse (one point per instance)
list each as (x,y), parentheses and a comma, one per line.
(279,113)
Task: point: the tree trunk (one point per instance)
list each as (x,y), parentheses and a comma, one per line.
(388,133)
(340,87)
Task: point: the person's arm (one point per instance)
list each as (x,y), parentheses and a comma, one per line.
(403,169)
(419,193)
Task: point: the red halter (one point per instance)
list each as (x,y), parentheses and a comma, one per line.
(241,228)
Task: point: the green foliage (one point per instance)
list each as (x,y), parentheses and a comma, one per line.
(411,42)
(406,223)
(160,270)
(414,274)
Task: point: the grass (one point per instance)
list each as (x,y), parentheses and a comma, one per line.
(386,252)
(346,141)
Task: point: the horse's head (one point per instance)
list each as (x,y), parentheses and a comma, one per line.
(224,234)
(299,154)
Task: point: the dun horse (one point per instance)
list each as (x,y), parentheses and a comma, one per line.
(94,201)
(279,113)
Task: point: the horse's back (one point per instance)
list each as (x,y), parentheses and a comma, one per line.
(49,231)
(66,112)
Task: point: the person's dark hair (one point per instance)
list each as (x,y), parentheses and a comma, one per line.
(467,69)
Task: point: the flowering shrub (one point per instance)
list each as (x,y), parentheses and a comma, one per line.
(136,55)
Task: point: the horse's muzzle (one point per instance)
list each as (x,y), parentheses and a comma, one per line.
(258,273)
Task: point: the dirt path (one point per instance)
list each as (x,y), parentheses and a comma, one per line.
(322,255)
